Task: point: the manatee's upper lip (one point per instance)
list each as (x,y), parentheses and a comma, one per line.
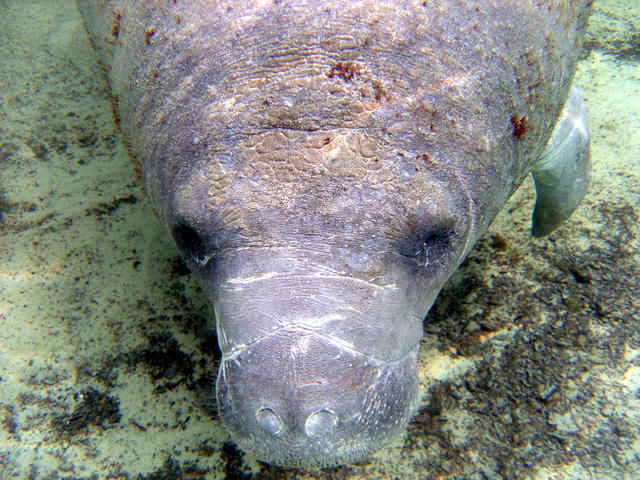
(323,275)
(299,329)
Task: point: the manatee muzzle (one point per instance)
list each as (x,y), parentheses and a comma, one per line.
(319,367)
(298,398)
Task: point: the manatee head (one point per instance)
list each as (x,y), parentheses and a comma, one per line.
(320,278)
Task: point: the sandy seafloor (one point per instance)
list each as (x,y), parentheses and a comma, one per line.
(530,364)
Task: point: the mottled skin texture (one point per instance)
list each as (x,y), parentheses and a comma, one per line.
(324,167)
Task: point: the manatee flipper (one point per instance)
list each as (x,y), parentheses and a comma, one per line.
(563,171)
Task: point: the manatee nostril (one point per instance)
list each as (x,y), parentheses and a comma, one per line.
(320,423)
(269,420)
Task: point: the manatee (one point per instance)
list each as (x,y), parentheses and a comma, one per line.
(323,167)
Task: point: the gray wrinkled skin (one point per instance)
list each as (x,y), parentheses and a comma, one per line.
(324,167)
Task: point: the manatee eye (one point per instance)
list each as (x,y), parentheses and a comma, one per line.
(434,246)
(189,242)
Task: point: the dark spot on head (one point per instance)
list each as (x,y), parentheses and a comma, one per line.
(344,70)
(115,28)
(426,158)
(380,91)
(520,125)
(148,33)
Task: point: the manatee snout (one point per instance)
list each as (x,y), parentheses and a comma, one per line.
(317,370)
(298,398)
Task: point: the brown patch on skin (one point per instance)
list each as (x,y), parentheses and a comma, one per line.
(148,33)
(115,28)
(348,71)
(520,125)
(319,142)
(426,158)
(344,70)
(380,91)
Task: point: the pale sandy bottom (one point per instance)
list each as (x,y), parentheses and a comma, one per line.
(530,364)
